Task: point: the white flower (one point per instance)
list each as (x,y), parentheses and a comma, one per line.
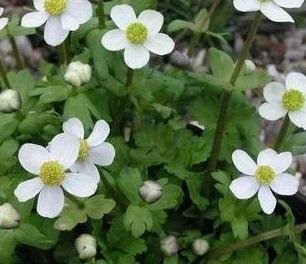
(272,9)
(268,173)
(250,66)
(200,246)
(60,16)
(78,73)
(3,20)
(150,191)
(138,36)
(93,150)
(9,101)
(86,246)
(50,166)
(283,100)
(9,217)
(169,245)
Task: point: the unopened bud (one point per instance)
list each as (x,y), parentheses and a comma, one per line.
(150,191)
(9,101)
(169,245)
(86,246)
(200,246)
(73,78)
(77,68)
(9,217)
(250,66)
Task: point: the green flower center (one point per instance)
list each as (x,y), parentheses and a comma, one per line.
(55,7)
(52,173)
(84,150)
(137,33)
(265,175)
(293,100)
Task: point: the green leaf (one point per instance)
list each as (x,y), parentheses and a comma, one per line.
(221,64)
(137,220)
(240,227)
(7,246)
(97,206)
(177,25)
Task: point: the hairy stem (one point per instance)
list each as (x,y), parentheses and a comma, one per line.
(101,14)
(18,58)
(221,123)
(282,134)
(4,76)
(217,252)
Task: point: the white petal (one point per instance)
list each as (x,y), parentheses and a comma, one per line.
(103,154)
(64,148)
(28,189)
(3,22)
(275,12)
(34,19)
(244,187)
(99,133)
(289,4)
(87,168)
(266,199)
(296,81)
(247,6)
(54,33)
(273,92)
(285,184)
(298,118)
(79,184)
(69,22)
(39,5)
(123,15)
(50,201)
(136,56)
(114,40)
(32,156)
(1,11)
(80,10)
(152,19)
(160,44)
(243,162)
(74,127)
(272,112)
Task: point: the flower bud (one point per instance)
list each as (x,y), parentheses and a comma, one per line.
(9,217)
(85,74)
(169,245)
(86,246)
(73,78)
(150,191)
(250,66)
(10,101)
(200,246)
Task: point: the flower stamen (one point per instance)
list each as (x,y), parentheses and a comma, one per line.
(293,100)
(55,7)
(84,150)
(265,175)
(137,33)
(52,173)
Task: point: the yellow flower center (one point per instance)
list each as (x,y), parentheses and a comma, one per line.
(52,173)
(293,100)
(84,150)
(55,7)
(137,33)
(265,175)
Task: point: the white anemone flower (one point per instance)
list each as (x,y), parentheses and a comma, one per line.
(60,16)
(51,167)
(3,20)
(268,174)
(138,36)
(272,9)
(286,99)
(93,150)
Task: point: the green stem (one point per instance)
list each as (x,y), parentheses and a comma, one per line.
(282,134)
(4,76)
(154,4)
(64,52)
(221,124)
(217,252)
(129,78)
(101,14)
(18,58)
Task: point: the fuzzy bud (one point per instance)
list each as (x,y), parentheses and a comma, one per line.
(86,246)
(80,70)
(9,217)
(9,101)
(150,191)
(200,246)
(73,78)
(250,66)
(169,245)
